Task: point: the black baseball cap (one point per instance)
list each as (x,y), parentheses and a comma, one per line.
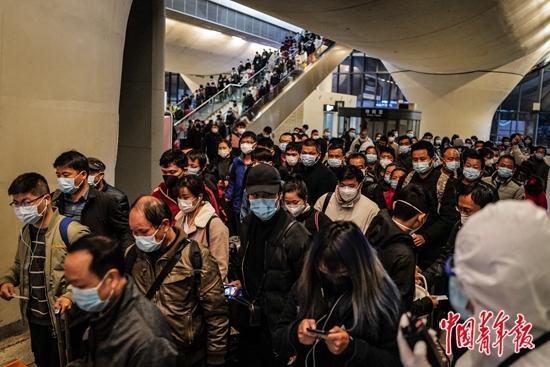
(95,164)
(263,178)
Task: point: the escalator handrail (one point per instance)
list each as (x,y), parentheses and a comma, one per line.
(186,117)
(261,102)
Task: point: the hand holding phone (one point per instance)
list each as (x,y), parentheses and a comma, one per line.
(317,331)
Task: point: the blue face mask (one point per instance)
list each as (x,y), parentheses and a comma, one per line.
(193,171)
(393,184)
(282,146)
(471,174)
(308,159)
(410,135)
(387,179)
(371,158)
(421,167)
(458,299)
(149,243)
(404,149)
(88,299)
(452,166)
(264,209)
(505,172)
(66,185)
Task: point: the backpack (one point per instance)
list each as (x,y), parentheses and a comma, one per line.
(64,230)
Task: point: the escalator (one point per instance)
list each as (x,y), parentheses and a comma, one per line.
(274,108)
(270,110)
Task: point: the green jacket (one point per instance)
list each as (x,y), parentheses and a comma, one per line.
(200,326)
(508,189)
(53,268)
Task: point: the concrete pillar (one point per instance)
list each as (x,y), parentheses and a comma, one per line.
(60,67)
(141,100)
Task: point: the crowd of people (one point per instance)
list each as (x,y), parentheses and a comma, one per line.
(261,75)
(303,251)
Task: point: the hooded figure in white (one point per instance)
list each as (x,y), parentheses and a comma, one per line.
(502,261)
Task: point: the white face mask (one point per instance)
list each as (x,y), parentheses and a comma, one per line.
(240,131)
(186,206)
(347,193)
(291,160)
(224,153)
(384,162)
(91,181)
(29,214)
(247,148)
(334,162)
(295,209)
(463,218)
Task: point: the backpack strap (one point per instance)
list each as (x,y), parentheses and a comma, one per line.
(408,179)
(316,219)
(440,188)
(64,230)
(207,229)
(130,257)
(166,270)
(196,261)
(327,200)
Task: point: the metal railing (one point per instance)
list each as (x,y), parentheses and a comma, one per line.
(230,93)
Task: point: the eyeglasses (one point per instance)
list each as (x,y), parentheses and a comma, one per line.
(24,204)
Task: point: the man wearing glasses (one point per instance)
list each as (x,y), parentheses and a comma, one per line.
(38,266)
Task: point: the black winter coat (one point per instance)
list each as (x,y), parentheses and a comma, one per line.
(313,225)
(395,251)
(319,180)
(131,333)
(361,351)
(103,215)
(282,261)
(441,218)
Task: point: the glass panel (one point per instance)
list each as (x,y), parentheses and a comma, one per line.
(529,91)
(211,11)
(343,83)
(201,9)
(356,80)
(358,64)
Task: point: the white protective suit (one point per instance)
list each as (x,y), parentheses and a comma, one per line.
(502,260)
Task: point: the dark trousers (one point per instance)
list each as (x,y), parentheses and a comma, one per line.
(256,349)
(44,345)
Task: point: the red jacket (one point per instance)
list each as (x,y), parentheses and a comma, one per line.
(161,193)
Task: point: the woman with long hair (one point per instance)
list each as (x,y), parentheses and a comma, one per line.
(344,308)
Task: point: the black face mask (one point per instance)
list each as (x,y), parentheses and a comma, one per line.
(170,181)
(335,285)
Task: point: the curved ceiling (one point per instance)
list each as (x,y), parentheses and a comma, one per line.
(193,50)
(431,36)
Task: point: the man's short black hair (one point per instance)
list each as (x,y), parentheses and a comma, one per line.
(387,150)
(336,145)
(482,194)
(512,137)
(197,155)
(106,254)
(95,164)
(541,147)
(154,210)
(249,134)
(286,134)
(309,142)
(415,195)
(262,154)
(293,145)
(472,154)
(402,138)
(356,155)
(507,156)
(29,183)
(72,159)
(268,129)
(174,156)
(350,173)
(424,145)
(265,142)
